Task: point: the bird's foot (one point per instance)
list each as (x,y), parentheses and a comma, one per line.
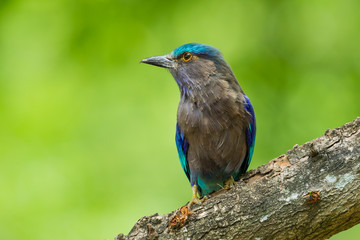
(204,198)
(195,199)
(229,183)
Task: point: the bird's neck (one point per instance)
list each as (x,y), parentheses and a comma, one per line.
(190,91)
(212,89)
(194,83)
(206,82)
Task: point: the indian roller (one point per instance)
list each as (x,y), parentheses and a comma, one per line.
(215,130)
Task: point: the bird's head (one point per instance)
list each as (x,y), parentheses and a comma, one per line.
(193,65)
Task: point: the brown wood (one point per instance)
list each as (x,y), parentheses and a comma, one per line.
(312,192)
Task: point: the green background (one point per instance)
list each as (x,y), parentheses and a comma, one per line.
(87,133)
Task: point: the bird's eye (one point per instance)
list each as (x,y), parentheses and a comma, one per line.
(187,56)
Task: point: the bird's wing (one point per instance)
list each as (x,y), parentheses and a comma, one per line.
(250,136)
(182,146)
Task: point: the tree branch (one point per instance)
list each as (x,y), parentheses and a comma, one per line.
(312,192)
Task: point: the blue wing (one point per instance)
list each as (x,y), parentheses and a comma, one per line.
(182,146)
(250,137)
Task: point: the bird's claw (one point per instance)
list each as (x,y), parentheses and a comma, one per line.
(229,183)
(194,200)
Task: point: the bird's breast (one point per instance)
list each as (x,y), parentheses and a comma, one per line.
(208,118)
(216,138)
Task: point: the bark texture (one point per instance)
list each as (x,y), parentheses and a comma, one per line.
(312,192)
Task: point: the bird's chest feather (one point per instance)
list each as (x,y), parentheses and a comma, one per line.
(215,131)
(194,119)
(211,112)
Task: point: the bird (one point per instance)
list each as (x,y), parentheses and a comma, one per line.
(216,126)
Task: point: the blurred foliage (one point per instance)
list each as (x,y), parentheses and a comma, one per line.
(87,133)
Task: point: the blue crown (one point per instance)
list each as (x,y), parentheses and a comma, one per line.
(196,48)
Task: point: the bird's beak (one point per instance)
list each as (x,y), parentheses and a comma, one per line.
(164,61)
